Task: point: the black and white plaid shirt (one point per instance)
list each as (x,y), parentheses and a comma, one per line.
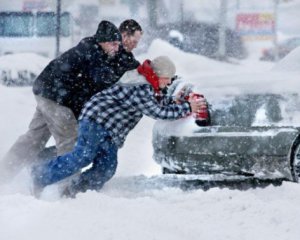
(119,108)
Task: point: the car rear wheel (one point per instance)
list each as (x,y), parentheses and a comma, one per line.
(170,171)
(295,160)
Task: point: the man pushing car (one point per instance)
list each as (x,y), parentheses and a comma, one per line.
(106,120)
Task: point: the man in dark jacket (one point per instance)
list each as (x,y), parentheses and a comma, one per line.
(66,84)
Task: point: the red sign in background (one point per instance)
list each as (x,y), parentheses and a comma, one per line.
(258,25)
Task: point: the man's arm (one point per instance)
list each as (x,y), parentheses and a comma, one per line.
(124,61)
(71,61)
(144,100)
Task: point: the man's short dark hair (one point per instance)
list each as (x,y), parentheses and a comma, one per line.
(130,26)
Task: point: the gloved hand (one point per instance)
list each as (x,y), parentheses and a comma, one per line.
(183,94)
(200,109)
(197,102)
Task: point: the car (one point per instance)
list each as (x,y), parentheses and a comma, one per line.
(284,48)
(199,38)
(254,132)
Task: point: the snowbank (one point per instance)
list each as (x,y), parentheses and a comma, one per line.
(291,62)
(214,78)
(187,64)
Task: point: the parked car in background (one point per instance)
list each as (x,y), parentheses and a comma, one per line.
(15,71)
(28,43)
(200,38)
(284,48)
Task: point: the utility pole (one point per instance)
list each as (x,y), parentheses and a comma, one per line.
(237,4)
(181,12)
(152,13)
(57,27)
(133,7)
(275,38)
(222,30)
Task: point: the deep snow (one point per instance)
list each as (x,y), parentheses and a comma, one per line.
(134,204)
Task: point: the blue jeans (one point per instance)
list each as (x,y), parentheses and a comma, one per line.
(94,145)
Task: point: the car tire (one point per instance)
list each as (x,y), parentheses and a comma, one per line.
(295,160)
(170,171)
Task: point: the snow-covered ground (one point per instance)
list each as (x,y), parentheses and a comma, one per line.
(134,205)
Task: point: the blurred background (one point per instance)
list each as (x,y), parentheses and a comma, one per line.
(219,29)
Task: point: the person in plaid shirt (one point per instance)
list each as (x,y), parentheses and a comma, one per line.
(106,120)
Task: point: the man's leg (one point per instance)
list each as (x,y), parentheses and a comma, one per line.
(61,123)
(91,137)
(26,148)
(103,169)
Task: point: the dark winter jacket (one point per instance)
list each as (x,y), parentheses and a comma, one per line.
(119,108)
(74,77)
